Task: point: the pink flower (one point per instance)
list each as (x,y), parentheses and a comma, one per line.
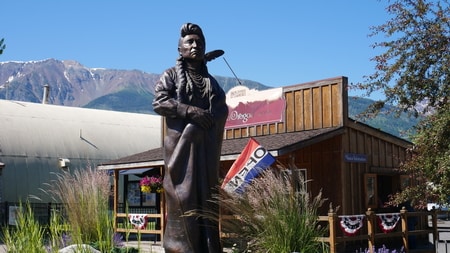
(149,184)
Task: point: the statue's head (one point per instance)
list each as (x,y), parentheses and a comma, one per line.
(190,28)
(192,42)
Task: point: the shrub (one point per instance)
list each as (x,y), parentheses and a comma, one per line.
(86,222)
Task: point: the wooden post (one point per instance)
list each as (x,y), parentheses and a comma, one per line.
(434,224)
(404,218)
(332,217)
(162,209)
(116,198)
(370,229)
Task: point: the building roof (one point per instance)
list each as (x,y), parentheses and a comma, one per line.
(44,130)
(277,144)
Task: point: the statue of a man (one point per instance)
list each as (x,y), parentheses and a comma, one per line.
(195,112)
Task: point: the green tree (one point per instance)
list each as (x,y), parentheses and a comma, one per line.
(414,70)
(430,160)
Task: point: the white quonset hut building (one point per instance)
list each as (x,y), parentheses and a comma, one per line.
(38,140)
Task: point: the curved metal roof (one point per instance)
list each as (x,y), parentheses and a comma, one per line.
(42,130)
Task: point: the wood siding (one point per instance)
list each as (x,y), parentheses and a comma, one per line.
(321,161)
(384,155)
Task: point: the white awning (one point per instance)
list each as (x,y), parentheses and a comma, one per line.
(134,171)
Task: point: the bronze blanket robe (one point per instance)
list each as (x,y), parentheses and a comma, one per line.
(192,159)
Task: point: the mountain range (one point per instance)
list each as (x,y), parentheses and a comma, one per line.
(72,84)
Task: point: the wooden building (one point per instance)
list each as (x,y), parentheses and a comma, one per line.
(355,165)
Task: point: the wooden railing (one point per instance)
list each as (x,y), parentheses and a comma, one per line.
(153,216)
(154,226)
(371,234)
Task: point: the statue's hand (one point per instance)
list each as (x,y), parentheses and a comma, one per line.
(200,117)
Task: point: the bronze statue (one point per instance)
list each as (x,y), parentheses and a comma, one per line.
(195,112)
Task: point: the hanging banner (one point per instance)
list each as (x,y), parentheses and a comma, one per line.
(246,107)
(251,162)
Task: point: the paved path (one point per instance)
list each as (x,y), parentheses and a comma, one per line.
(144,246)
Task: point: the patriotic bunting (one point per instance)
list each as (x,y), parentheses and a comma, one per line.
(139,221)
(351,224)
(388,221)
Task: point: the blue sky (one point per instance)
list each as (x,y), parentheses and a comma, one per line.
(276,43)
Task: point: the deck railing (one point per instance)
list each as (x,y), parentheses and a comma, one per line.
(410,226)
(370,233)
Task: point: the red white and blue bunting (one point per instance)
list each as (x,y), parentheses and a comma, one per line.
(351,224)
(139,221)
(388,221)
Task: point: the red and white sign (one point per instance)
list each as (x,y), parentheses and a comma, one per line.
(252,107)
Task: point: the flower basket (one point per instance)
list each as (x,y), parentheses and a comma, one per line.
(151,184)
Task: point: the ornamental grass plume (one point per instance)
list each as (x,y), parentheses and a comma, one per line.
(275,213)
(85,193)
(27,236)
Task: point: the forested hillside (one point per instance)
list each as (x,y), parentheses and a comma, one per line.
(386,121)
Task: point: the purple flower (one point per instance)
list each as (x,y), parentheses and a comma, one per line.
(66,240)
(382,250)
(118,240)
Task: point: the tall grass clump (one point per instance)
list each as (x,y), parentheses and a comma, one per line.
(85,195)
(27,236)
(58,230)
(275,213)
